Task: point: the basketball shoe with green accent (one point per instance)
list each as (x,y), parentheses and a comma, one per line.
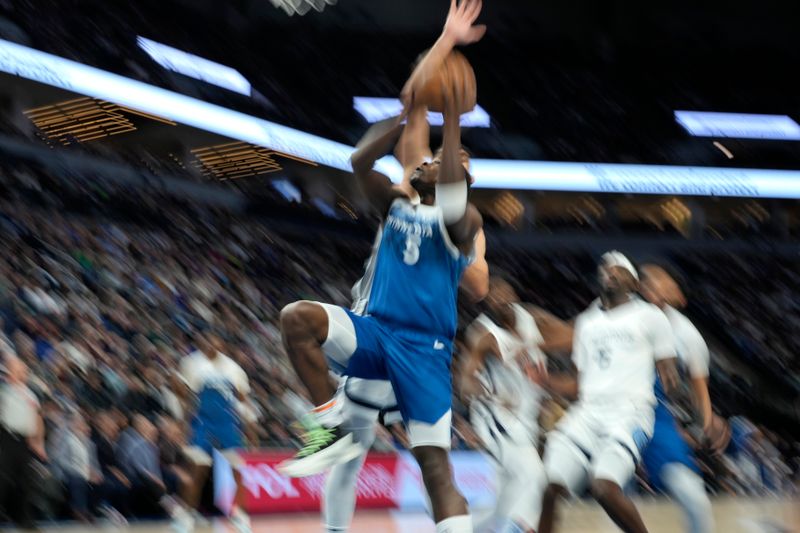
(323,448)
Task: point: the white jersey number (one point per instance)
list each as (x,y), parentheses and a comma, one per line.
(411,253)
(603,358)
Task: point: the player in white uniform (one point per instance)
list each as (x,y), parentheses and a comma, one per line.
(504,404)
(619,342)
(668,459)
(220,386)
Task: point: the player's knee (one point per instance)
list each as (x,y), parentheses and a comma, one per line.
(603,489)
(303,319)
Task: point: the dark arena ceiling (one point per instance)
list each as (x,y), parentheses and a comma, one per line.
(574,80)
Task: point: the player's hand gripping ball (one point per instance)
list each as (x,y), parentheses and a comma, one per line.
(455,76)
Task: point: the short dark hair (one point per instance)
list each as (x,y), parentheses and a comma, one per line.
(673,270)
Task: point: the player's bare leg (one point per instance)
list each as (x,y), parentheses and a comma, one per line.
(305,328)
(446,501)
(618,506)
(552,494)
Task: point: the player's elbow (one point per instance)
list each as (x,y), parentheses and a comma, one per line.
(480,287)
(476,284)
(359,163)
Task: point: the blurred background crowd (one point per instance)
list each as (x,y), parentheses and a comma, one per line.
(103,287)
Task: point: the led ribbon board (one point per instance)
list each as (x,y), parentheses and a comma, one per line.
(738,125)
(194,66)
(489,173)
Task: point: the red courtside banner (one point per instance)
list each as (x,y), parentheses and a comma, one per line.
(270,492)
(387,481)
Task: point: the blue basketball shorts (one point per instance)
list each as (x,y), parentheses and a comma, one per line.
(666,447)
(417,364)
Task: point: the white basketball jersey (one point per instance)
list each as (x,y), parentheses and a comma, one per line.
(615,352)
(692,349)
(513,400)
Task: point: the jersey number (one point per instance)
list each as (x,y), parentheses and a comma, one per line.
(411,253)
(603,359)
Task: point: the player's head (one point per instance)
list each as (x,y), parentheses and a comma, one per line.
(501,297)
(424,179)
(663,285)
(617,275)
(209,342)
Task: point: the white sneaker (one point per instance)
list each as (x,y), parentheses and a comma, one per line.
(324,448)
(240,521)
(182,522)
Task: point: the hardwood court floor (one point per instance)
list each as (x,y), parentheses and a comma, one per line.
(732,516)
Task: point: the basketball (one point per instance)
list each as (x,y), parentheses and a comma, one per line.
(719,434)
(456,71)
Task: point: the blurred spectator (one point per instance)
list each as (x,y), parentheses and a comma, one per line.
(75,457)
(174,466)
(116,485)
(21,440)
(139,459)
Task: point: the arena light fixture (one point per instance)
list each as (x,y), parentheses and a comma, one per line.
(69,75)
(84,119)
(739,125)
(375,109)
(194,66)
(236,160)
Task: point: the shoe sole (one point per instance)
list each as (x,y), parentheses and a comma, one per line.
(342,451)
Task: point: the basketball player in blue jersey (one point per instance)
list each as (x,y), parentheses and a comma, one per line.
(368,402)
(668,459)
(406,331)
(219,385)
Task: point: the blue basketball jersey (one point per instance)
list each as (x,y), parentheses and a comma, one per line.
(216,383)
(411,279)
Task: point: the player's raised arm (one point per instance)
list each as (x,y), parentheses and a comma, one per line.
(462,219)
(458,30)
(413,148)
(378,140)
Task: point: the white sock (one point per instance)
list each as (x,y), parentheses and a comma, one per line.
(687,488)
(455,524)
(329,414)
